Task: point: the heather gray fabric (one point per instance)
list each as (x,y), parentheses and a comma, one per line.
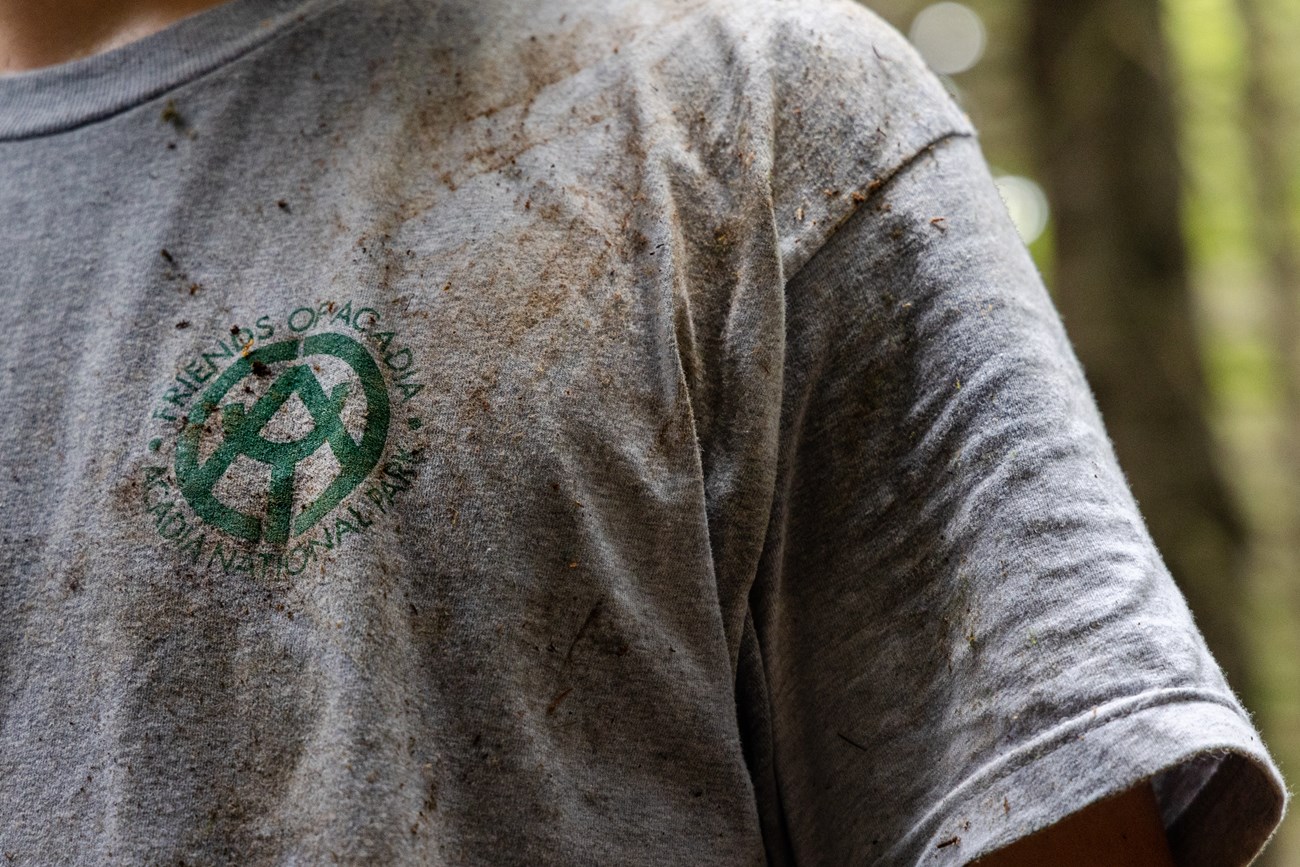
(600,433)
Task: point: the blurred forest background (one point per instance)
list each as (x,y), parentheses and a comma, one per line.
(1149,151)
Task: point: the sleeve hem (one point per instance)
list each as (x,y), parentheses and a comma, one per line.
(1237,804)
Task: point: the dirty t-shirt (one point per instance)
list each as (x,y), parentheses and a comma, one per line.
(589,433)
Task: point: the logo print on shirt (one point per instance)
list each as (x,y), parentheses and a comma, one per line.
(243,429)
(276,442)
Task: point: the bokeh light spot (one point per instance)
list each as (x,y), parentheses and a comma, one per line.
(1027,204)
(950,36)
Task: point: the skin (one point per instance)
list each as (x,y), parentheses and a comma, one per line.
(36,33)
(1123,831)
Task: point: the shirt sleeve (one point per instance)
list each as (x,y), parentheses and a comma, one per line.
(960,631)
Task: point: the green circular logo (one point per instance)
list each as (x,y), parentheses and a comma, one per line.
(283,439)
(243,435)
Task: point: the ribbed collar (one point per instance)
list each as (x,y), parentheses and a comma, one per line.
(68,95)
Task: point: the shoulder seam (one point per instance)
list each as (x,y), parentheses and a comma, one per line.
(865,195)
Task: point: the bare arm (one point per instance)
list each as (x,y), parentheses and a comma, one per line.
(1123,831)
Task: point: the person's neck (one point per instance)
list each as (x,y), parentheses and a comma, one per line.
(36,33)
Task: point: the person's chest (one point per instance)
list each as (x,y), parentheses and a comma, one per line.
(391,403)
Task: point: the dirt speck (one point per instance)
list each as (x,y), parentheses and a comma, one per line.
(582,630)
(558,700)
(170,114)
(851,742)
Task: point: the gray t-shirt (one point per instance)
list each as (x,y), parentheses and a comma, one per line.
(589,433)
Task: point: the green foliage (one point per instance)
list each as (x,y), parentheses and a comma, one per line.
(1207,45)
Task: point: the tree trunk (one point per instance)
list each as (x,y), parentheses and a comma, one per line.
(1109,159)
(1277,241)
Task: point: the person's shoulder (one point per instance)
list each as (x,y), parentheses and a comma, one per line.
(824,21)
(833,100)
(810,104)
(804,44)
